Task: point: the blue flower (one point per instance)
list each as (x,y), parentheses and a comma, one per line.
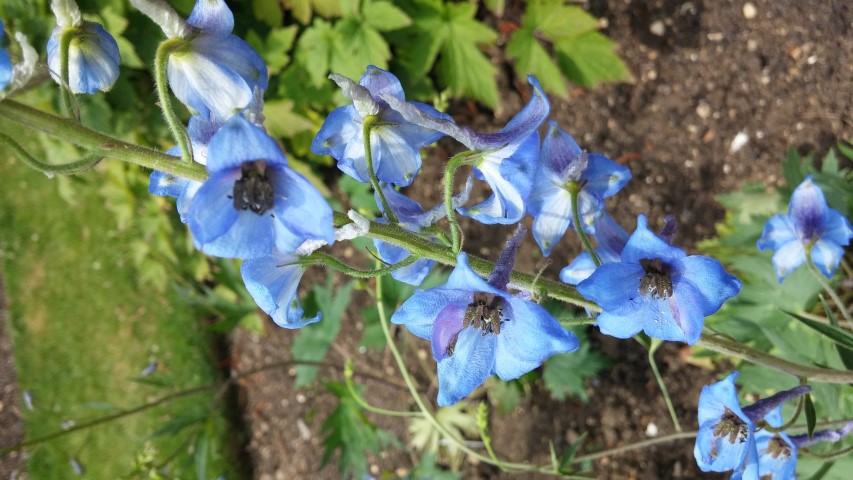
(777,454)
(562,161)
(726,439)
(253,203)
(5,62)
(272,281)
(658,289)
(395,142)
(412,217)
(93,55)
(507,158)
(810,227)
(478,329)
(210,71)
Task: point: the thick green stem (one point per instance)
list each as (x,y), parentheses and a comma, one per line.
(829,290)
(726,346)
(369,122)
(98,143)
(421,247)
(574,189)
(161,60)
(67,96)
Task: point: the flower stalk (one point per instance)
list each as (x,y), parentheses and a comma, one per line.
(161,60)
(369,122)
(574,188)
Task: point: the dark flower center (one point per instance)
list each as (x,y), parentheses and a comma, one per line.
(732,426)
(777,446)
(254,190)
(485,313)
(657,281)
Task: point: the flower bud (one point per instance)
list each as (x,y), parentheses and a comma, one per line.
(93,57)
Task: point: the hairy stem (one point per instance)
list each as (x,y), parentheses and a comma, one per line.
(449,175)
(49,169)
(161,60)
(65,93)
(369,122)
(574,189)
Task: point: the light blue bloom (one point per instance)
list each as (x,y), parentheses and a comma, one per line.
(93,55)
(395,142)
(5,62)
(658,289)
(478,329)
(272,281)
(726,439)
(611,238)
(212,71)
(253,203)
(777,454)
(562,161)
(508,156)
(412,217)
(810,227)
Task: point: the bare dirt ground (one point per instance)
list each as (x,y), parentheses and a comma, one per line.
(706,72)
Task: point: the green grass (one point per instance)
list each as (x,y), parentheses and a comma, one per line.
(84,327)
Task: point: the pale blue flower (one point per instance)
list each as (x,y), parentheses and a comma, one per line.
(272,281)
(810,227)
(562,161)
(777,454)
(395,143)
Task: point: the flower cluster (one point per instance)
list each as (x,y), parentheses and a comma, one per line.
(747,440)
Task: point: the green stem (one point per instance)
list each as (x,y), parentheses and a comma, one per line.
(50,169)
(369,122)
(663,389)
(332,262)
(100,144)
(829,290)
(161,60)
(449,175)
(721,344)
(348,373)
(574,189)
(634,446)
(67,96)
(396,235)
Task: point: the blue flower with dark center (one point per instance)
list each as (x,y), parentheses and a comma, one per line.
(272,280)
(211,71)
(93,55)
(478,329)
(395,142)
(507,158)
(809,228)
(658,289)
(562,161)
(253,203)
(777,454)
(5,62)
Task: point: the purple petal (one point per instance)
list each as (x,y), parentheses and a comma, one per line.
(380,82)
(561,155)
(420,311)
(213,17)
(808,210)
(446,329)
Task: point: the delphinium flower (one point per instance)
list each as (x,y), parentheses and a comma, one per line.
(611,238)
(777,455)
(394,142)
(93,55)
(272,280)
(209,69)
(562,162)
(5,62)
(809,228)
(658,289)
(253,202)
(506,158)
(478,329)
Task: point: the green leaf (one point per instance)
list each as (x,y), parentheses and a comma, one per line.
(360,45)
(312,342)
(557,21)
(845,353)
(302,10)
(268,12)
(347,429)
(531,58)
(588,60)
(811,418)
(841,337)
(830,163)
(792,168)
(459,420)
(384,16)
(504,395)
(282,121)
(314,50)
(565,374)
(565,466)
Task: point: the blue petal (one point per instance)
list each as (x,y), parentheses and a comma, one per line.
(380,82)
(604,176)
(165,184)
(779,467)
(522,125)
(613,285)
(5,69)
(212,213)
(239,141)
(419,312)
(561,155)
(413,274)
(611,237)
(826,256)
(415,134)
(677,318)
(528,337)
(509,172)
(714,399)
(341,127)
(727,456)
(838,229)
(237,55)
(579,270)
(710,284)
(551,208)
(463,278)
(808,210)
(472,362)
(408,211)
(644,244)
(787,258)
(778,231)
(207,86)
(93,59)
(300,207)
(213,17)
(395,160)
(272,281)
(622,326)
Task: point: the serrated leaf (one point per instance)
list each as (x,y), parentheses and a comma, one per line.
(531,58)
(841,337)
(282,121)
(458,419)
(302,10)
(384,16)
(557,21)
(589,59)
(811,417)
(313,341)
(565,373)
(268,11)
(314,50)
(360,45)
(348,430)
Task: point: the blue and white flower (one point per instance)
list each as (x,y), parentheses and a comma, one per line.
(273,280)
(93,56)
(395,142)
(809,228)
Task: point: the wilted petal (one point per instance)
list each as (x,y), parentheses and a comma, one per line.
(273,281)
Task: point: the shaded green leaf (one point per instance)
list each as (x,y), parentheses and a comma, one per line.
(589,59)
(269,12)
(360,45)
(811,418)
(841,337)
(312,342)
(565,466)
(348,430)
(282,121)
(531,58)
(384,16)
(314,50)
